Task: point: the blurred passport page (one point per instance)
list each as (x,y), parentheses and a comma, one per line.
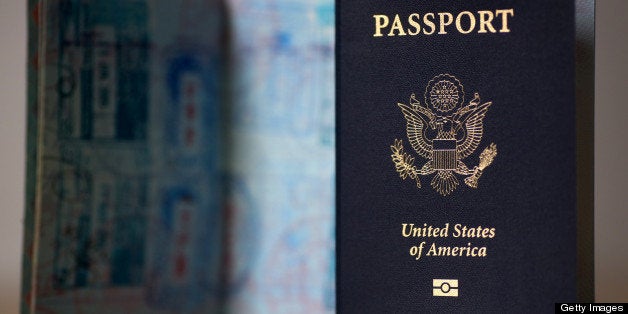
(180,157)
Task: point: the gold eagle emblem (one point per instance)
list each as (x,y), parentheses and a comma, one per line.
(444,136)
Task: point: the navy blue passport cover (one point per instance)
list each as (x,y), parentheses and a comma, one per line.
(414,109)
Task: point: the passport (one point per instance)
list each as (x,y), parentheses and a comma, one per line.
(180,157)
(464,155)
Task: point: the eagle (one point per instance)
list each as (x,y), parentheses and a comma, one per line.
(444,140)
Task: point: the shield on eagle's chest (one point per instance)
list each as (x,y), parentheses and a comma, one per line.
(444,156)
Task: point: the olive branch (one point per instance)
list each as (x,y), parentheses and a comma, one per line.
(404,163)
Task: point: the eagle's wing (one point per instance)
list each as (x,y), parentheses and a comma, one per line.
(416,123)
(473,129)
